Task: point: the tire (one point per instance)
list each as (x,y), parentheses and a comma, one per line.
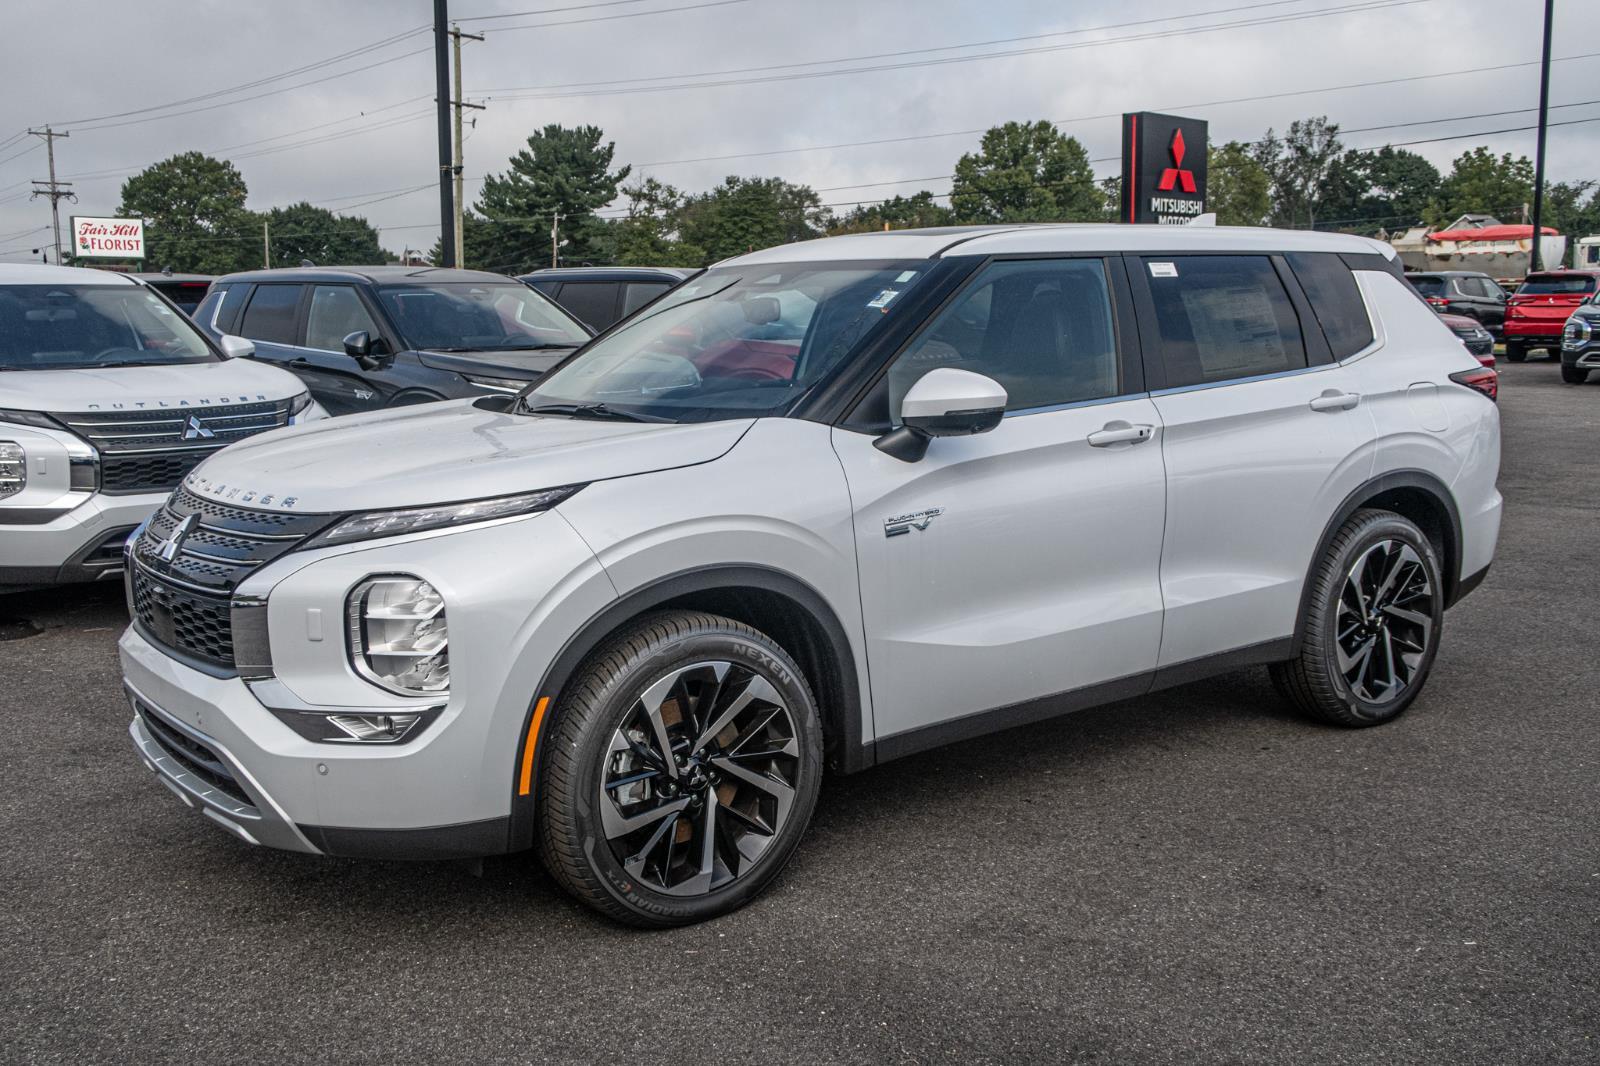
(658,872)
(1351,682)
(1574,375)
(1516,353)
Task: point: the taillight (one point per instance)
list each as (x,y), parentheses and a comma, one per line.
(1482,380)
(1438,301)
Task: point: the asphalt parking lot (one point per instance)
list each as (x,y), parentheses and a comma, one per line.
(1196,877)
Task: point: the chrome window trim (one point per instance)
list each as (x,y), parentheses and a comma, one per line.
(1205,385)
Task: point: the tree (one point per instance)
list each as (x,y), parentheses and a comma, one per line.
(648,235)
(1026,172)
(743,214)
(1238,187)
(304,231)
(1298,164)
(899,212)
(1480,183)
(1565,209)
(562,171)
(1390,188)
(194,213)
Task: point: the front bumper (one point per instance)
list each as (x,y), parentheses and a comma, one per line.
(80,543)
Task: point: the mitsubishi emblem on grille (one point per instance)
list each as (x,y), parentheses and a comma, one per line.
(170,547)
(193,429)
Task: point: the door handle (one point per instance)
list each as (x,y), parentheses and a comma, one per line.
(1120,432)
(1334,400)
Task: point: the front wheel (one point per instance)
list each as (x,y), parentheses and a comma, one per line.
(1574,375)
(683,766)
(1373,617)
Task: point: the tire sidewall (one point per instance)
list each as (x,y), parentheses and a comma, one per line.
(591,747)
(1386,527)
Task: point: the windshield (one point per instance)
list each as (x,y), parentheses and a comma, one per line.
(1427,286)
(1556,285)
(480,317)
(74,327)
(735,342)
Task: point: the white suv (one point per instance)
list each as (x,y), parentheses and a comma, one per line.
(108,397)
(826,504)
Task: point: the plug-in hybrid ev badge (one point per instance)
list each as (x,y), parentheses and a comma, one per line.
(893,527)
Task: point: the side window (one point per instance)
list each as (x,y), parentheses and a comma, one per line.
(1042,328)
(639,293)
(336,312)
(1335,300)
(233,297)
(270,316)
(205,314)
(595,302)
(1223,317)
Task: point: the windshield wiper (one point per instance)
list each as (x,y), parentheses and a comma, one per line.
(590,410)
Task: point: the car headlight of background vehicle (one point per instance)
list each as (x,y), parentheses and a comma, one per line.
(298,403)
(1577,333)
(398,637)
(497,384)
(416,519)
(13,468)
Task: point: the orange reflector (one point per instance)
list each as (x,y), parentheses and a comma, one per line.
(532,743)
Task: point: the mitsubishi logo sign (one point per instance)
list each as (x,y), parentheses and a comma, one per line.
(174,543)
(1163,168)
(193,429)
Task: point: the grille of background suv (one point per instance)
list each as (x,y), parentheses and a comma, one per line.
(147,450)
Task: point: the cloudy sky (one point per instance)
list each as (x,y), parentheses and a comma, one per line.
(759,88)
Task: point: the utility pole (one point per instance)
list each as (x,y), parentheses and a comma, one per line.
(459,103)
(1544,116)
(555,238)
(266,245)
(441,70)
(56,190)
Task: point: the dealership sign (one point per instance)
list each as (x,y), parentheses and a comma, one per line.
(1163,168)
(107,238)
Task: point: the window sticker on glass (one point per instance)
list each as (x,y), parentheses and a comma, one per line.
(905,276)
(883,298)
(1163,270)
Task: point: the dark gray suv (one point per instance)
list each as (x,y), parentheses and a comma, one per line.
(1580,342)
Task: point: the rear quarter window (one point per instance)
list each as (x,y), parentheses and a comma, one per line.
(1335,300)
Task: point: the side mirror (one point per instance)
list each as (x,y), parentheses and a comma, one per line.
(363,349)
(943,403)
(236,347)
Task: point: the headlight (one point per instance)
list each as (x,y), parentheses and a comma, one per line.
(13,468)
(29,418)
(398,640)
(417,519)
(299,402)
(498,384)
(1577,333)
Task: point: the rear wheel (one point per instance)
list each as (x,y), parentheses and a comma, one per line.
(1515,352)
(1574,375)
(1373,618)
(684,765)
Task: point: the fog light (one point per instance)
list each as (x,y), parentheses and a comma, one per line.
(397,635)
(13,468)
(375,728)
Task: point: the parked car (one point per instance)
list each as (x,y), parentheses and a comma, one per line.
(829,503)
(601,296)
(364,338)
(108,398)
(1464,292)
(184,290)
(1476,339)
(1540,307)
(1580,342)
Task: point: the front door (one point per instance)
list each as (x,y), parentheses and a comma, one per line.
(1023,562)
(337,381)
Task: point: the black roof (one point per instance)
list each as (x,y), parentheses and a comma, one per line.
(162,275)
(376,275)
(609,273)
(1446,274)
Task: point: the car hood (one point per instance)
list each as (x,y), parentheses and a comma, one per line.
(143,388)
(441,452)
(527,366)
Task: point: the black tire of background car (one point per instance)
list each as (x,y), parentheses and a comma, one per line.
(1574,375)
(1516,353)
(1312,681)
(570,841)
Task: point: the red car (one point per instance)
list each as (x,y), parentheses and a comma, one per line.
(1539,309)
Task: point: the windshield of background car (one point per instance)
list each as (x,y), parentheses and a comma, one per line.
(479,316)
(735,342)
(76,327)
(1428,286)
(1556,285)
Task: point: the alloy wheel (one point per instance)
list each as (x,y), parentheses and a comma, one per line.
(699,778)
(1384,622)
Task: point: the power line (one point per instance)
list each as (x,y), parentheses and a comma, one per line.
(614,18)
(553,10)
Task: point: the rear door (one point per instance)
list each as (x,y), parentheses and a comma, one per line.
(271,320)
(1264,437)
(1023,562)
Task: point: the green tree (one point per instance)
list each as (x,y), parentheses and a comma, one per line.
(194,213)
(1298,164)
(305,231)
(1566,210)
(1026,172)
(1481,183)
(564,171)
(648,236)
(1390,188)
(899,212)
(744,214)
(1238,187)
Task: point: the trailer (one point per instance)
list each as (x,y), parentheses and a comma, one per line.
(1480,243)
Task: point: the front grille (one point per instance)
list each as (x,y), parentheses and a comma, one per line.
(183,602)
(192,755)
(148,450)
